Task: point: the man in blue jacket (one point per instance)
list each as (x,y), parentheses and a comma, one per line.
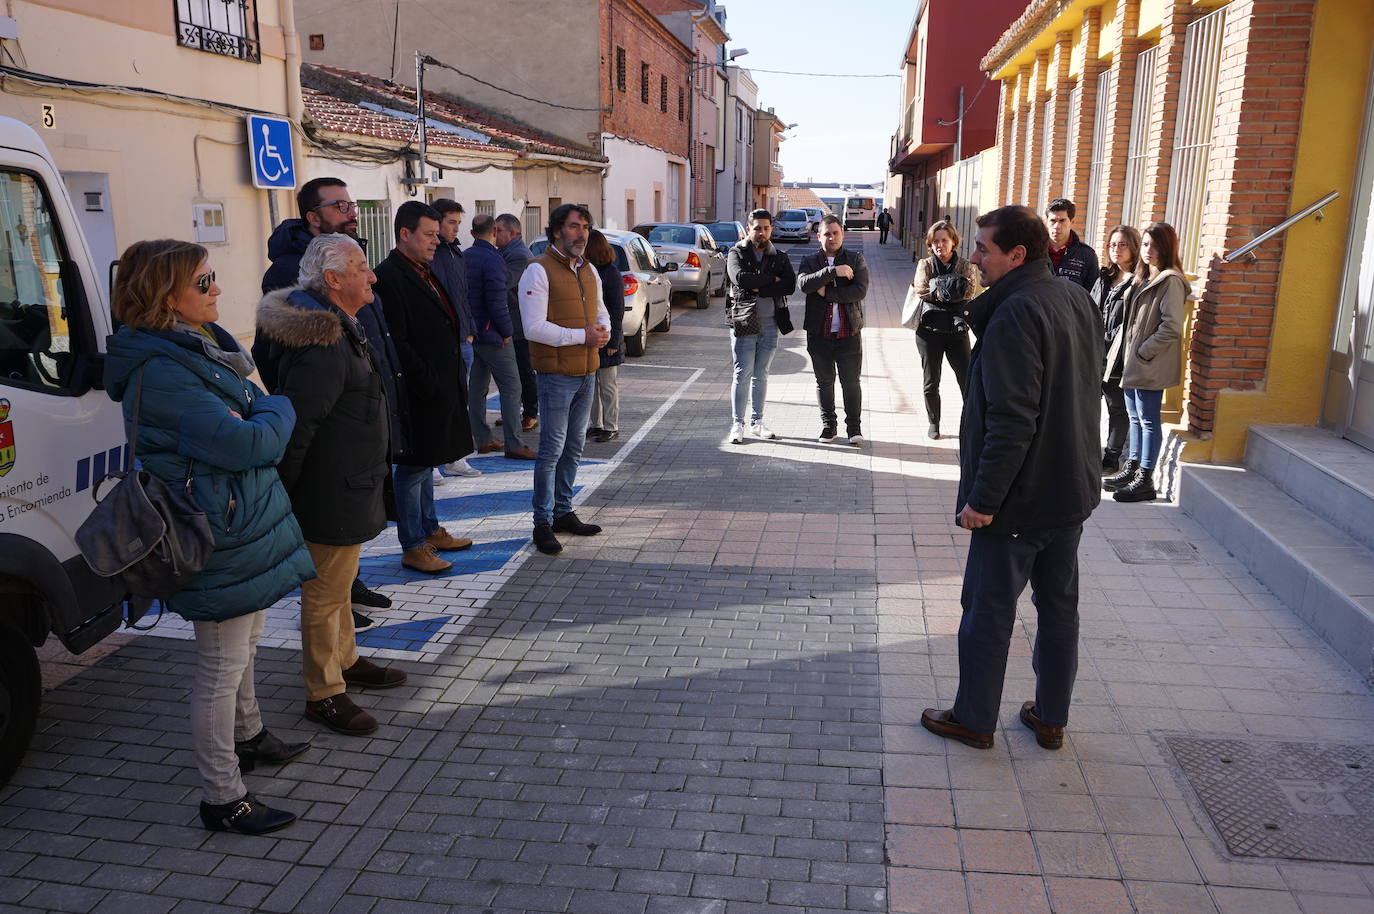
(1070,258)
(511,243)
(493,356)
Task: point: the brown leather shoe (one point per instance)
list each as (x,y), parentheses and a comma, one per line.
(340,714)
(1047,737)
(529,423)
(942,723)
(367,675)
(522,453)
(443,541)
(491,447)
(424,559)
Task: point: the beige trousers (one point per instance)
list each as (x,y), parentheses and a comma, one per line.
(327,639)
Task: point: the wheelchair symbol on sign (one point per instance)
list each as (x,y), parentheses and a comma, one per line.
(268,151)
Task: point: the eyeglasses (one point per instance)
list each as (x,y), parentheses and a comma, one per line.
(205,281)
(345,207)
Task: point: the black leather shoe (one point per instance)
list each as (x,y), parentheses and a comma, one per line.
(603,437)
(1111,461)
(569,523)
(267,749)
(248,816)
(545,541)
(933,433)
(1141,488)
(594,431)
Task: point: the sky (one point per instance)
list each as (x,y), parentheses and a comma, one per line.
(844,126)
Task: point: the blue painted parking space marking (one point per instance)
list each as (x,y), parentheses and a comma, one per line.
(481,557)
(404,636)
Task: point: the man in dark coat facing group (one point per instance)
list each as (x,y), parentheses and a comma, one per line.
(1029,476)
(426,328)
(835,280)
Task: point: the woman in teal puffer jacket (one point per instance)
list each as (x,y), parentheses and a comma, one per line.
(203,425)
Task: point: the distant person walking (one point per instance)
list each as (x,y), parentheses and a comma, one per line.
(884,223)
(1113,292)
(605,416)
(835,280)
(1069,257)
(1028,477)
(566,323)
(1150,345)
(944,282)
(204,425)
(757,272)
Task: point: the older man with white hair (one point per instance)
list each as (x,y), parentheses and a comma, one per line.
(335,463)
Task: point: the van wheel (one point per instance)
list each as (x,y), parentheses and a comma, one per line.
(21,691)
(634,345)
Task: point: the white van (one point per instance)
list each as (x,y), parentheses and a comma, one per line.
(860,212)
(59,432)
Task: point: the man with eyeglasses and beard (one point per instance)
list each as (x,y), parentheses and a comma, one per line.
(326,208)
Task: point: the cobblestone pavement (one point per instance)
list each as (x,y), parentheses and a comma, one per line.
(712,707)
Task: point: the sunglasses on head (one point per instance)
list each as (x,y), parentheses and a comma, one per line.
(204,281)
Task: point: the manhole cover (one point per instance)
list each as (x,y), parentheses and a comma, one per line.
(1155,552)
(1295,801)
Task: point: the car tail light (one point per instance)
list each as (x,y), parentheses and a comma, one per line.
(693,260)
(631,283)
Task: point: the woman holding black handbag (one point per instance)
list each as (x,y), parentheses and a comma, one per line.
(944,281)
(205,427)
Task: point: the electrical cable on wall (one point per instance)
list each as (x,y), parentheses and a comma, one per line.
(538,101)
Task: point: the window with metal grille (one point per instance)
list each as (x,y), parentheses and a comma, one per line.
(484,206)
(226,27)
(1139,145)
(532,222)
(663,94)
(374,224)
(1046,152)
(1197,101)
(620,69)
(644,83)
(681,104)
(1097,167)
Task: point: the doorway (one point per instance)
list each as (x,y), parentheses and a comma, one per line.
(90,193)
(1349,406)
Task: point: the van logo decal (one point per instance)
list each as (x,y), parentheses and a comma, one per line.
(7,455)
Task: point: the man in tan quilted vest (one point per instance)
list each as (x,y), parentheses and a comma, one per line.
(565,322)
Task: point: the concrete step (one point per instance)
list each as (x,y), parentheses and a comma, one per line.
(1333,478)
(1320,572)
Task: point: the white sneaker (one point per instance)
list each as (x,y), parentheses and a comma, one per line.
(439,477)
(856,440)
(460,467)
(737,433)
(760,430)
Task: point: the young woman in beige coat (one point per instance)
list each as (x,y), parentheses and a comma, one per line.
(1151,346)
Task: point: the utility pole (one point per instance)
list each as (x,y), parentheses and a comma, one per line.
(959,130)
(420,111)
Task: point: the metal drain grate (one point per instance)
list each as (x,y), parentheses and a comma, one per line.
(1155,552)
(1293,801)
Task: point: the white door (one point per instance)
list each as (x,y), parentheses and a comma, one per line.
(90,193)
(1352,364)
(674,193)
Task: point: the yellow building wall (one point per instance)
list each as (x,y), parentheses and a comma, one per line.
(1328,147)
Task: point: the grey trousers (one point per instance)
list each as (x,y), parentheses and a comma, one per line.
(493,362)
(224,705)
(606,402)
(998,569)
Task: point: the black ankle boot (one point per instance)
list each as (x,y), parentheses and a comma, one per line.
(1123,478)
(571,523)
(266,748)
(248,816)
(1111,461)
(1142,487)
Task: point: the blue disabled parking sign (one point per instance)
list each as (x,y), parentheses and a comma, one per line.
(269,147)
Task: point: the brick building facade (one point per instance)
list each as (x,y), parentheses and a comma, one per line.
(1221,119)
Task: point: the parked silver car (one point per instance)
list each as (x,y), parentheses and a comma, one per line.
(701,261)
(648,302)
(816,214)
(792,225)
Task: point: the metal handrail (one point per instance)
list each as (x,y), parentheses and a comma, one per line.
(1281,227)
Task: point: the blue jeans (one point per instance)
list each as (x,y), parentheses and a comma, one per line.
(565,403)
(467,355)
(753,355)
(1147,437)
(494,361)
(415,506)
